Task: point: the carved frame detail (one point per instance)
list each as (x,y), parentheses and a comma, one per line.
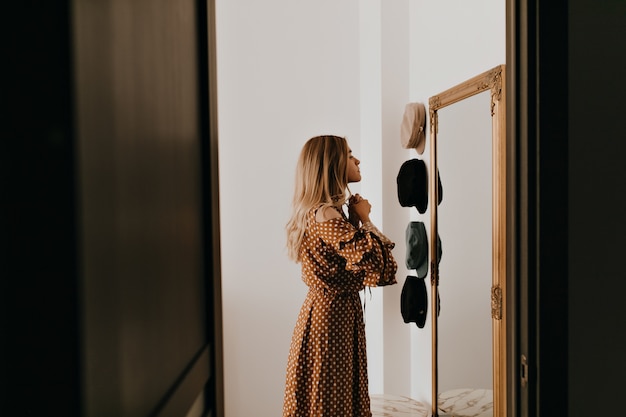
(496,302)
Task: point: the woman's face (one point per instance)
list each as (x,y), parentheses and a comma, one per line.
(354,174)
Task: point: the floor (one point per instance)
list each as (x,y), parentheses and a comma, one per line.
(457,403)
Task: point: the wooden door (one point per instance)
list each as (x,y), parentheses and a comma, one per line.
(110,211)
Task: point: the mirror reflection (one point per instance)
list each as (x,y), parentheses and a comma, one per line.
(464,144)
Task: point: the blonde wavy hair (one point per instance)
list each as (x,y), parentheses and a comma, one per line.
(321,179)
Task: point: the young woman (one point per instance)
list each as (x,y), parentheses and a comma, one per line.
(340,255)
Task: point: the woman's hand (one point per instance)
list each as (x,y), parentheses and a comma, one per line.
(358,210)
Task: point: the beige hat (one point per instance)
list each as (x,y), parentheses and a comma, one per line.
(413,129)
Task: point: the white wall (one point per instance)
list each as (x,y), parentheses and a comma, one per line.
(289,70)
(453,40)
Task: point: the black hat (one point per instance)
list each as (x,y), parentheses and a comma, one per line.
(412,181)
(414,301)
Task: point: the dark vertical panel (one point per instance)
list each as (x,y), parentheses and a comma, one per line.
(523,76)
(542,133)
(103,262)
(214,393)
(139,136)
(38,301)
(552,198)
(597,204)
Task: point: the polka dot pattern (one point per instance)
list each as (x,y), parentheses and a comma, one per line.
(327,365)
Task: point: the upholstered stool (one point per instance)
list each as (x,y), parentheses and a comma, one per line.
(386,405)
(466,402)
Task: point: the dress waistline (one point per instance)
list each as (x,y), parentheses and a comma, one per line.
(333,292)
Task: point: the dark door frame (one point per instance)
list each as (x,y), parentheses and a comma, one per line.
(537,62)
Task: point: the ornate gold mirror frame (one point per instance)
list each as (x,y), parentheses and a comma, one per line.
(493,80)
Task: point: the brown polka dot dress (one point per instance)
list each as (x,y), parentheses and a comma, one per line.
(327,366)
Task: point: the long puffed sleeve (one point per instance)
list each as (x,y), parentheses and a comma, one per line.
(367,252)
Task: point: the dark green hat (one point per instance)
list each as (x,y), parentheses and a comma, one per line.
(417,248)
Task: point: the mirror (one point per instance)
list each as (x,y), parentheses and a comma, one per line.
(467,287)
(464,223)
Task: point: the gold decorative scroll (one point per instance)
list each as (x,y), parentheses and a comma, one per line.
(496,302)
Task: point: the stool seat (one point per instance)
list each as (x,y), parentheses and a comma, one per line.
(467,402)
(388,405)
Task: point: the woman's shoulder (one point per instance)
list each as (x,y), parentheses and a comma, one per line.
(325,213)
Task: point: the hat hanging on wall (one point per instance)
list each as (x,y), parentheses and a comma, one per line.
(412,181)
(417,248)
(439,188)
(417,254)
(414,301)
(413,128)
